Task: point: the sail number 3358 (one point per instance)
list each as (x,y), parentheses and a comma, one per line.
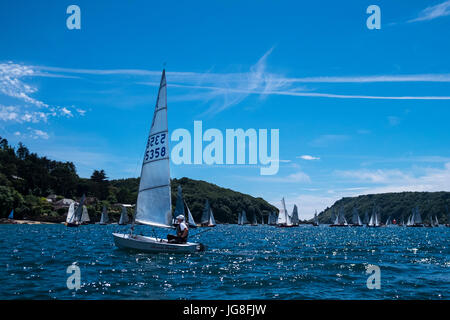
(156,147)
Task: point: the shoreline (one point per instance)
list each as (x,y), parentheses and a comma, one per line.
(13,221)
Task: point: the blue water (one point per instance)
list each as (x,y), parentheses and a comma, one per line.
(241,262)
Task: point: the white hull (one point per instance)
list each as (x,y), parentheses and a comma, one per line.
(150,244)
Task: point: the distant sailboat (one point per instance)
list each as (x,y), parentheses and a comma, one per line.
(340,220)
(11,215)
(272,219)
(208,216)
(254,222)
(388,222)
(190,218)
(316,220)
(124,216)
(154,204)
(243,216)
(436,221)
(85,216)
(356,220)
(74,216)
(104,219)
(374,222)
(284,220)
(416,219)
(295,219)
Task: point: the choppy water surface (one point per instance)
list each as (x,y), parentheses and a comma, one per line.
(241,262)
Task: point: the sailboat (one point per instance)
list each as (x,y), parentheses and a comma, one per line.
(85,216)
(154,204)
(416,219)
(356,220)
(340,220)
(208,216)
(104,219)
(189,218)
(388,222)
(11,215)
(374,222)
(295,219)
(243,218)
(74,215)
(316,220)
(124,216)
(284,220)
(254,221)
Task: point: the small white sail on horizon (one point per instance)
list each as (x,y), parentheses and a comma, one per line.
(85,216)
(123,216)
(190,218)
(71,213)
(104,219)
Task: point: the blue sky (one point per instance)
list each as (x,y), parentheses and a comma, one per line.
(359,111)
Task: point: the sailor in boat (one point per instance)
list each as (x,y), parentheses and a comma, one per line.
(182,231)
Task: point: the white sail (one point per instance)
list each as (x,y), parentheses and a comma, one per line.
(212,221)
(104,219)
(79,210)
(85,215)
(239,218)
(123,216)
(154,206)
(71,213)
(190,219)
(282,215)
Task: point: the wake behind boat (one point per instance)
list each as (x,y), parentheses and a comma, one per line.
(154,204)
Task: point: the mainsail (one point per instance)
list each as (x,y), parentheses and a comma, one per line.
(154,206)
(85,215)
(254,222)
(244,219)
(189,217)
(71,213)
(123,216)
(206,213)
(212,221)
(283,217)
(104,219)
(295,220)
(316,219)
(79,210)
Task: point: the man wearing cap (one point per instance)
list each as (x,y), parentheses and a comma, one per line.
(182,232)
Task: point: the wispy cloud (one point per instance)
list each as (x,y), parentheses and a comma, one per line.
(225,90)
(308,157)
(433,12)
(13,84)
